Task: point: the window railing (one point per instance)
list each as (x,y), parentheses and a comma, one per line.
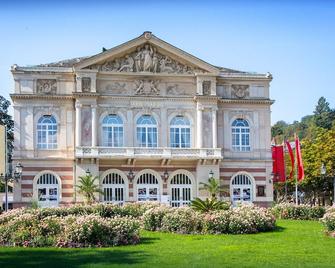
(135,152)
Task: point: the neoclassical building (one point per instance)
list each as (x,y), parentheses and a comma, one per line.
(149,119)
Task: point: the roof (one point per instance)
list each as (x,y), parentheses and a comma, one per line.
(67,65)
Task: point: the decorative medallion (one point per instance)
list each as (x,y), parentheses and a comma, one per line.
(240,91)
(46,86)
(146,87)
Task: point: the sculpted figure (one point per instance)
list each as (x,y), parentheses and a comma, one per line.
(163,67)
(116,65)
(155,61)
(139,87)
(138,59)
(147,57)
(128,66)
(153,87)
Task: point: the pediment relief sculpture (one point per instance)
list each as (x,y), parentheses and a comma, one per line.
(46,86)
(240,91)
(175,90)
(146,58)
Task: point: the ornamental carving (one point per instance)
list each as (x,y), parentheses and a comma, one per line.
(46,86)
(206,87)
(240,91)
(174,90)
(86,84)
(146,58)
(146,87)
(117,88)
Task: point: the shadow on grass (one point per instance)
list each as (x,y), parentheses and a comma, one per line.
(279,229)
(148,240)
(70,257)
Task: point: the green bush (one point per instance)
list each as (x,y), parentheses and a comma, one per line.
(298,212)
(328,221)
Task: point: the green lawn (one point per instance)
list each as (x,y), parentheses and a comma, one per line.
(293,244)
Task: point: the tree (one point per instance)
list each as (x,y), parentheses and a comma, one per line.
(323,115)
(87,187)
(6,119)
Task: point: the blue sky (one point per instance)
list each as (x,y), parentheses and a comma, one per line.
(294,40)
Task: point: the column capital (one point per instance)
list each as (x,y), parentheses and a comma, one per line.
(78,105)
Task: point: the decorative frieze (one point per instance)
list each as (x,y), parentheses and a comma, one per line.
(146,87)
(46,86)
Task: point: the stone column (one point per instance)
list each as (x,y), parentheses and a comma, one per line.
(94,125)
(199,126)
(130,129)
(78,124)
(214,127)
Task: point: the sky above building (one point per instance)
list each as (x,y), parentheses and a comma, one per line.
(294,40)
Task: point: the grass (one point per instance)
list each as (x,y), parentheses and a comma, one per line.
(293,244)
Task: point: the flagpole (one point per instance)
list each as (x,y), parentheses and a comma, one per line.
(296,171)
(284,144)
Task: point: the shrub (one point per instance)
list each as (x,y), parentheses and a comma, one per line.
(208,205)
(328,221)
(152,218)
(94,230)
(239,220)
(28,229)
(182,220)
(298,212)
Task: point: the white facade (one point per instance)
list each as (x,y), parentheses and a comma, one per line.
(144,108)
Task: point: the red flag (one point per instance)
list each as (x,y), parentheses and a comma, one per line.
(278,167)
(300,165)
(290,151)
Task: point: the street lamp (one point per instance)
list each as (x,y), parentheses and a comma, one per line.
(211,174)
(11,176)
(323,172)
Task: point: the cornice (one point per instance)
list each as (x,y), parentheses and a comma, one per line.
(247,101)
(40,96)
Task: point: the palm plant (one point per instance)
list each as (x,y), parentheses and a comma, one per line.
(208,205)
(87,187)
(213,187)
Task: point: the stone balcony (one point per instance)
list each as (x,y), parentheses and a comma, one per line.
(150,153)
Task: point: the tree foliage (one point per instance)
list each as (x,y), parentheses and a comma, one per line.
(317,135)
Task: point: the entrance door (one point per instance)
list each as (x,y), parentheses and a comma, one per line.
(48,191)
(147,188)
(180,190)
(242,189)
(114,189)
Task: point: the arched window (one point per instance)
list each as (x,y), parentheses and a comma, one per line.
(112,131)
(146,131)
(180,190)
(114,188)
(47,132)
(180,132)
(47,190)
(147,187)
(241,135)
(242,188)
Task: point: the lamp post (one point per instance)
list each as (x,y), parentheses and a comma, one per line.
(323,172)
(11,176)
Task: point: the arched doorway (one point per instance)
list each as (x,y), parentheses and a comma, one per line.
(181,190)
(114,188)
(147,187)
(48,190)
(242,188)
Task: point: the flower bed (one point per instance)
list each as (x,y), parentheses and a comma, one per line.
(27,229)
(298,212)
(243,219)
(328,221)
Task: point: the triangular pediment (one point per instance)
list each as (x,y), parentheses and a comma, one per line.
(147,54)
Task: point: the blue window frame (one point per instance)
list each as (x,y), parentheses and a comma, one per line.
(112,131)
(146,131)
(241,135)
(47,132)
(180,132)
